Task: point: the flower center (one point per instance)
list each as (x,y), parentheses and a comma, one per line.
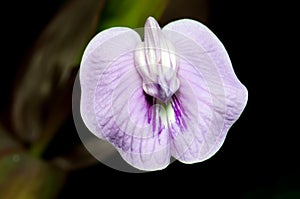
(156,62)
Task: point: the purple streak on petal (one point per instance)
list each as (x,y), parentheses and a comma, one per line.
(149,102)
(179,125)
(205,70)
(149,114)
(178,110)
(153,110)
(160,130)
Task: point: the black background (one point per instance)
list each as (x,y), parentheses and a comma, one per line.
(259,158)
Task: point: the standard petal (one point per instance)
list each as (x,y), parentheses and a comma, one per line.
(128,119)
(113,104)
(210,93)
(98,55)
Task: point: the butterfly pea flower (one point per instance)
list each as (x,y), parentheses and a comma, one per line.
(170,92)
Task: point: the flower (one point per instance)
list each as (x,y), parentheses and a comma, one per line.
(174,93)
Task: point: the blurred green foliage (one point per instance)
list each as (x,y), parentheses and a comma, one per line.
(28,178)
(130,13)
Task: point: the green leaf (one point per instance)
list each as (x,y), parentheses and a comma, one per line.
(29,178)
(130,13)
(25,177)
(42,99)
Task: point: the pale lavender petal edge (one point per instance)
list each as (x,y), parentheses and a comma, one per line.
(236,94)
(101,49)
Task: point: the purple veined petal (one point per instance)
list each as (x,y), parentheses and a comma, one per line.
(206,71)
(100,52)
(127,119)
(113,104)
